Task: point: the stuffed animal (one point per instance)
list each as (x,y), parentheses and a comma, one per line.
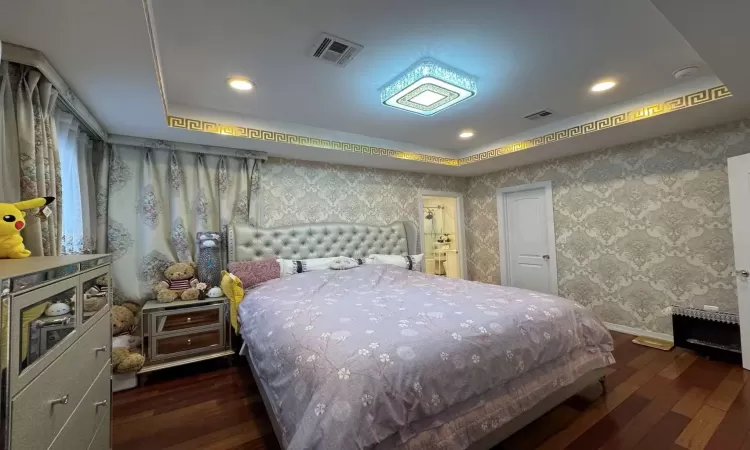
(180,283)
(95,297)
(124,318)
(126,356)
(209,258)
(13,221)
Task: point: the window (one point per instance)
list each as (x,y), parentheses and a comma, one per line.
(74,148)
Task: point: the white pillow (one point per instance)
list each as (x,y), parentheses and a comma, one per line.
(345,263)
(292,266)
(412,262)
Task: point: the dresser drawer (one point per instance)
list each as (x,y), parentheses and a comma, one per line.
(184,344)
(102,439)
(41,409)
(171,321)
(83,424)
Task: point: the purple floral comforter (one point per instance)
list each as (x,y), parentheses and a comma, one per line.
(350,358)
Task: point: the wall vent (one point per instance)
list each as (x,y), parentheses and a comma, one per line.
(538,115)
(335,50)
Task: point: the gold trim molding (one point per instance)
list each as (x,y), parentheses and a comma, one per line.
(295,139)
(675,104)
(657,109)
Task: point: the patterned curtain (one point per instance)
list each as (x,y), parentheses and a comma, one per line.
(158,199)
(29,157)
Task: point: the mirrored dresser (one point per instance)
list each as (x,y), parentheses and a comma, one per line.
(55,338)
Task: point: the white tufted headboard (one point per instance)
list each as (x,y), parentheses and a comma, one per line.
(320,240)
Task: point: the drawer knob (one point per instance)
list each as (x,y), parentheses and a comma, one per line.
(60,401)
(189,319)
(103,348)
(189,342)
(101,403)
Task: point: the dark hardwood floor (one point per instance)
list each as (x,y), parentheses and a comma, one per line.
(655,400)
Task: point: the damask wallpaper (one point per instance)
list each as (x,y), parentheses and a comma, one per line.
(296,192)
(638,227)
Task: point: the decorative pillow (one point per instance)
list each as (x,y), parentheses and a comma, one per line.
(344,263)
(255,272)
(292,266)
(412,262)
(231,285)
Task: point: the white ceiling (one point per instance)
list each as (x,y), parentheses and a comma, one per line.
(528,55)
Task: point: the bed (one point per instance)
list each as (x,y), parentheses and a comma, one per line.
(382,357)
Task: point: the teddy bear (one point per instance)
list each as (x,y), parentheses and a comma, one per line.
(126,356)
(180,283)
(95,297)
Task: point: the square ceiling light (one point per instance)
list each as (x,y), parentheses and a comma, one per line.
(428,87)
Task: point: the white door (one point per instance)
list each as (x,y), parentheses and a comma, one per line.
(527,239)
(739,199)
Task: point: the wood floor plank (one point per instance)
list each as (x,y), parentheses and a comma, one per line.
(531,437)
(629,436)
(698,432)
(679,365)
(723,396)
(736,423)
(691,402)
(598,434)
(663,434)
(601,408)
(642,360)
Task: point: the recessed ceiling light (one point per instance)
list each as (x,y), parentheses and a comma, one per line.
(603,86)
(466,134)
(240,83)
(428,88)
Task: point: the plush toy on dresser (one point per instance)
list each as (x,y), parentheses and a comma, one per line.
(209,258)
(180,283)
(13,221)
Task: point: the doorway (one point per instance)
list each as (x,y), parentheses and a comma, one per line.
(738,168)
(527,237)
(442,233)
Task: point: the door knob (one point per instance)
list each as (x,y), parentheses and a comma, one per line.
(742,273)
(545,257)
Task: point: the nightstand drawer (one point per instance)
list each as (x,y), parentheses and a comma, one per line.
(184,344)
(171,321)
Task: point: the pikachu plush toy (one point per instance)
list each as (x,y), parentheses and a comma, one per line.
(12,221)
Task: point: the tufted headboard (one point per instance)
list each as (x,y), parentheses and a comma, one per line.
(320,240)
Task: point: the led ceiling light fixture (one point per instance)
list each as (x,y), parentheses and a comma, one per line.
(603,86)
(240,83)
(428,87)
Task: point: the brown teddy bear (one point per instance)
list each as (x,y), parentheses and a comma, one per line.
(126,356)
(180,283)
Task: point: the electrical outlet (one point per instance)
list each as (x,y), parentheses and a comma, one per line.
(710,308)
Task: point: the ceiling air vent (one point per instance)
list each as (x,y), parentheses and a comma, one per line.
(538,115)
(335,50)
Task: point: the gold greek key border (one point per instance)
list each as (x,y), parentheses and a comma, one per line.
(685,101)
(295,139)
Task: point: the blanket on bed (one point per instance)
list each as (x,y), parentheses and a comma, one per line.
(350,358)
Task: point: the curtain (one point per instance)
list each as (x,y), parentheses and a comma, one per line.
(78,221)
(30,163)
(158,199)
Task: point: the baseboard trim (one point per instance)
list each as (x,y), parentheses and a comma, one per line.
(639,332)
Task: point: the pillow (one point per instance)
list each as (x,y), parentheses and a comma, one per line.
(413,262)
(292,266)
(254,272)
(231,285)
(344,263)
